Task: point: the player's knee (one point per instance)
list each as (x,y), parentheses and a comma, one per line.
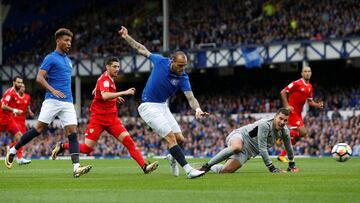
(180,139)
(85,149)
(236,145)
(237,149)
(70,129)
(294,133)
(123,135)
(303,133)
(170,140)
(228,170)
(40,127)
(18,135)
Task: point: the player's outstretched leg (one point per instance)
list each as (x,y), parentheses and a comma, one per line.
(219,157)
(20,159)
(58,149)
(282,157)
(74,153)
(217,168)
(9,159)
(27,137)
(150,167)
(81,170)
(173,165)
(179,156)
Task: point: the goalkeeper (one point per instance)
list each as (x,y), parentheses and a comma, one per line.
(253,139)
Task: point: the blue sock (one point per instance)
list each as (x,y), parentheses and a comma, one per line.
(27,137)
(74,148)
(178,154)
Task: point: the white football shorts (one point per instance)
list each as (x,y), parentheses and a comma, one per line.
(159,118)
(52,108)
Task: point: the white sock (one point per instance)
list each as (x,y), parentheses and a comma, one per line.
(13,150)
(217,168)
(76,166)
(187,168)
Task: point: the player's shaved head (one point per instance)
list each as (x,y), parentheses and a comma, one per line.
(178,55)
(178,62)
(306,73)
(305,68)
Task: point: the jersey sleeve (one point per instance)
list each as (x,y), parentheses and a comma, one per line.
(47,63)
(185,85)
(156,58)
(263,131)
(291,87)
(103,85)
(7,98)
(285,136)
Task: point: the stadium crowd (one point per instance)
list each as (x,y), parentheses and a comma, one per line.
(206,137)
(224,23)
(212,23)
(258,100)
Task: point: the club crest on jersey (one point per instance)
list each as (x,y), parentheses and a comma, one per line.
(7,98)
(106,83)
(174,82)
(302,89)
(91,130)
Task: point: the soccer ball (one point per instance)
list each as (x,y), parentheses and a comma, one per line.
(341,152)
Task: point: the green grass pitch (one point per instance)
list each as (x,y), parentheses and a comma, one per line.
(120,180)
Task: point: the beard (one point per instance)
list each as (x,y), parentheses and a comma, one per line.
(17,88)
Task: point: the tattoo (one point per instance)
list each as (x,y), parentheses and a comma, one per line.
(193,102)
(136,45)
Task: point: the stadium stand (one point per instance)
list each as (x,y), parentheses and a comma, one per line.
(226,23)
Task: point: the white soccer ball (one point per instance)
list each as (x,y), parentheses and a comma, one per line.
(341,152)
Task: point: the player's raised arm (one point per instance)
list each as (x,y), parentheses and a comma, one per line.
(40,78)
(141,49)
(194,104)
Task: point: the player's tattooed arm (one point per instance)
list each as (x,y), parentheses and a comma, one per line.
(141,49)
(194,104)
